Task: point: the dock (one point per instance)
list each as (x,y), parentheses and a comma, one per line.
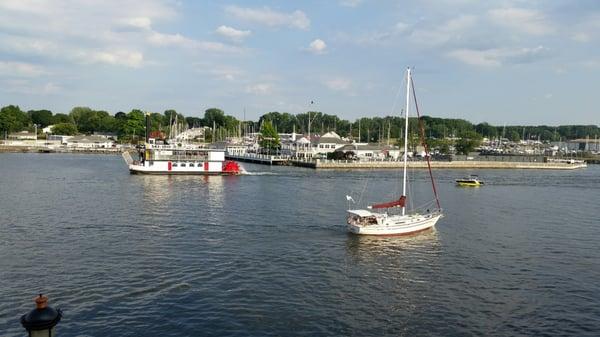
(396,164)
(467,164)
(256,158)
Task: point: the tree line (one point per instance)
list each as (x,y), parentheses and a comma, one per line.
(131,125)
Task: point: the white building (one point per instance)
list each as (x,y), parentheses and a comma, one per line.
(48,129)
(371,151)
(86,142)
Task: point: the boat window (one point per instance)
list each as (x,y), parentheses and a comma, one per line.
(182,164)
(191,165)
(174,164)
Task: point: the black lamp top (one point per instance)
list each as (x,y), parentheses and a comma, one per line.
(42,317)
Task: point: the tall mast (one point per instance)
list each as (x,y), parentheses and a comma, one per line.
(406,134)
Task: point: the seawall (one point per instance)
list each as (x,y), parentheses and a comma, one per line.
(470,164)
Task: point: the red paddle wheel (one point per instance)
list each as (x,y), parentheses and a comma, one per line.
(231,167)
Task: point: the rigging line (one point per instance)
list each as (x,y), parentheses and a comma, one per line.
(422,135)
(396,100)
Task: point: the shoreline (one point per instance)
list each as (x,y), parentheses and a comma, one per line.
(46,150)
(339,165)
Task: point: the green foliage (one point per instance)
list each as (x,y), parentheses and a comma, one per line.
(514,136)
(65,129)
(42,118)
(134,124)
(269,139)
(214,116)
(62,118)
(468,142)
(376,129)
(90,121)
(13,119)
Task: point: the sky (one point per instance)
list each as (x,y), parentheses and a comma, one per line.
(505,62)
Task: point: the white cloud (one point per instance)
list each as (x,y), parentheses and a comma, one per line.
(112,32)
(339,84)
(232,33)
(451,30)
(528,21)
(318,46)
(125,58)
(21,69)
(269,17)
(30,88)
(498,56)
(591,64)
(350,3)
(581,37)
(136,23)
(163,40)
(259,89)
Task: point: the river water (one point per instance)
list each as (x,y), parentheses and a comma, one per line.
(267,254)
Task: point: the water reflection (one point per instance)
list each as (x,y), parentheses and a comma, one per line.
(365,247)
(161,189)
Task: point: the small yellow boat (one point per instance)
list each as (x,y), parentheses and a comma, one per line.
(472,181)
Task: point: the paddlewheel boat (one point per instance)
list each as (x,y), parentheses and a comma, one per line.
(185,159)
(175,157)
(392,218)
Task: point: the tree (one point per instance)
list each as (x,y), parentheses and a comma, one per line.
(214,116)
(468,142)
(86,119)
(514,136)
(269,139)
(134,125)
(65,129)
(12,119)
(42,118)
(193,122)
(62,118)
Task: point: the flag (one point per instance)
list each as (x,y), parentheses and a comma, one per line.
(349,198)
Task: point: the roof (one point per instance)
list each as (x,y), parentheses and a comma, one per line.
(331,134)
(361,212)
(330,140)
(367,147)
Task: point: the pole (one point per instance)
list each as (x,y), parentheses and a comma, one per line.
(406,135)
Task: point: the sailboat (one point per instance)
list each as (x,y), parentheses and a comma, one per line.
(393,218)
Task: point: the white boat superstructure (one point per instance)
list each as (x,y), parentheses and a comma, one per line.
(179,158)
(373,223)
(392,218)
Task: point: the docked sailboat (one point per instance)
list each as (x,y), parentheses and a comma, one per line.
(393,218)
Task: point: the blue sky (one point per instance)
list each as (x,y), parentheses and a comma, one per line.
(513,62)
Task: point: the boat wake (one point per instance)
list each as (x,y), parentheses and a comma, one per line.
(244,172)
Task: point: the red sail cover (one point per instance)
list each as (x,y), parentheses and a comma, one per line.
(397,203)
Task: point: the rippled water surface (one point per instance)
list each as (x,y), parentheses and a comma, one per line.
(268,254)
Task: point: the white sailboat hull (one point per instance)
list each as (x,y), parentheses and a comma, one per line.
(396,224)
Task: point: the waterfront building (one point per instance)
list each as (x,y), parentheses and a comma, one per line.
(370,151)
(86,142)
(23,135)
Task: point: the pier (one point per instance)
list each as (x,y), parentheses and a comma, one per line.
(260,158)
(470,164)
(396,164)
